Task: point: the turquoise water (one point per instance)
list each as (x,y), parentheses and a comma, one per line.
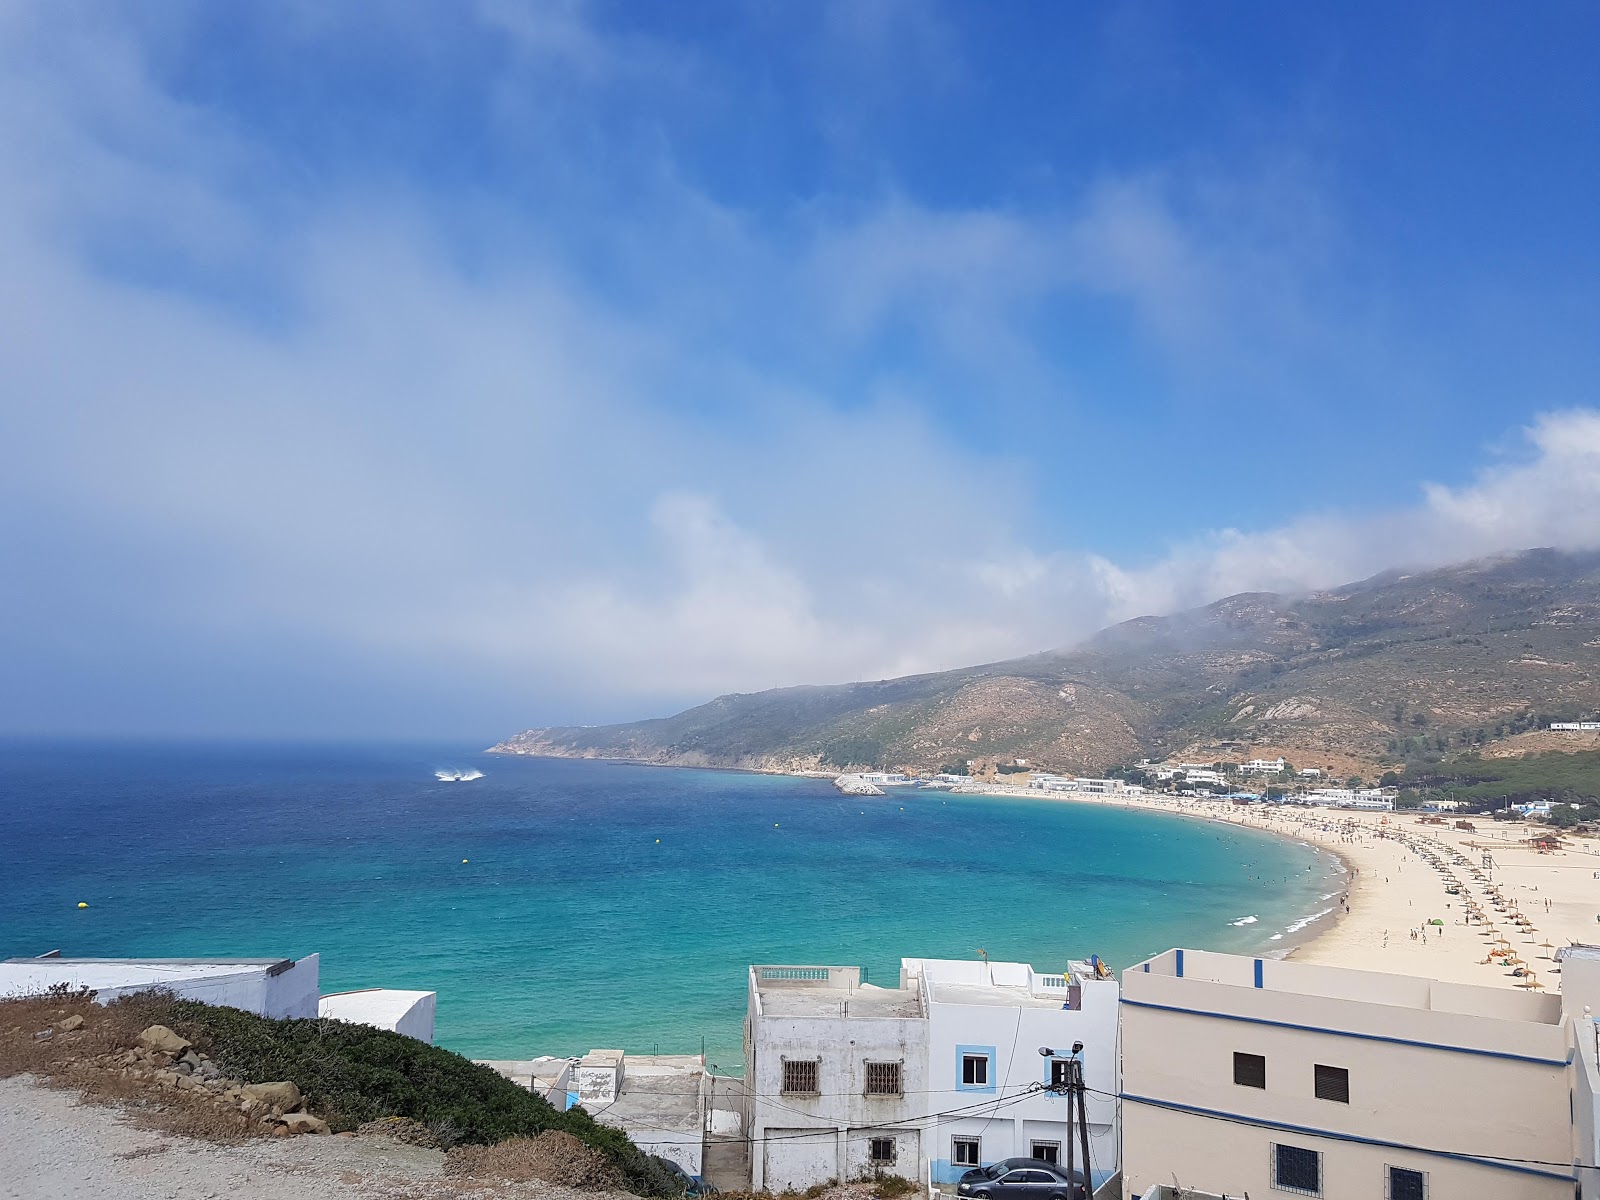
(570,926)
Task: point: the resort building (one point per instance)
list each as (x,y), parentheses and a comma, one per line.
(925,1080)
(1262,1077)
(268,987)
(1264,766)
(1364,799)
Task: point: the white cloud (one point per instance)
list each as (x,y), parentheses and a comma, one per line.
(329,425)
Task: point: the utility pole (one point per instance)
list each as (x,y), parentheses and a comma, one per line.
(1075,1091)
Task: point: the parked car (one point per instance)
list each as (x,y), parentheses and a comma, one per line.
(693,1185)
(1023,1179)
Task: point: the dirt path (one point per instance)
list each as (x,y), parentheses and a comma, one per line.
(53,1148)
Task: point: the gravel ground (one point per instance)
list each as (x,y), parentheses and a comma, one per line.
(53,1148)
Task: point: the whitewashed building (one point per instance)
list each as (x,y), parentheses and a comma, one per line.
(836,1071)
(407,1012)
(926,1079)
(1264,766)
(269,987)
(988,1023)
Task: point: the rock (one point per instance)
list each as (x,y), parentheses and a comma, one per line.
(71,1024)
(283,1095)
(184,1068)
(162,1040)
(305,1123)
(190,1057)
(280,1131)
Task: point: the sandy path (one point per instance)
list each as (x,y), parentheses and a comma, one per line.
(52,1148)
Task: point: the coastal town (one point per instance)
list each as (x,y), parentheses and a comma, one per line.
(1459,961)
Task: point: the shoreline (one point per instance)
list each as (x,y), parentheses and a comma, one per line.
(1393,911)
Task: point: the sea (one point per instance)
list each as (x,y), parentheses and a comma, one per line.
(558,906)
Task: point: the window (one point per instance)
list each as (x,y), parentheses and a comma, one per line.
(880,1150)
(1406,1184)
(1332,1083)
(1296,1169)
(1250,1070)
(883,1079)
(975,1070)
(800,1077)
(1049,1152)
(964,1152)
(1060,1074)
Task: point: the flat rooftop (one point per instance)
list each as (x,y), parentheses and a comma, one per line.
(817,991)
(1287,977)
(368,1006)
(21,976)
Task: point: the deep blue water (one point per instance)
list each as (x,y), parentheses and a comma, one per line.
(570,926)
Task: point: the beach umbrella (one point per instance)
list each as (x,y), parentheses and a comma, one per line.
(1548,946)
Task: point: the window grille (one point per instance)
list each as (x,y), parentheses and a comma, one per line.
(1250,1070)
(1060,1072)
(1296,1169)
(1332,1083)
(975,1069)
(884,1079)
(1406,1184)
(800,1077)
(1049,1152)
(964,1151)
(881,1150)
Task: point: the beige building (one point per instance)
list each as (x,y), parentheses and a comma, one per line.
(1265,1077)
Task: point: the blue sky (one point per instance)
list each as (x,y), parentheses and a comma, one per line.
(449,368)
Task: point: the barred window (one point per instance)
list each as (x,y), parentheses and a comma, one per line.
(800,1077)
(881,1150)
(964,1151)
(1250,1070)
(883,1079)
(1296,1169)
(1049,1152)
(1406,1184)
(1332,1083)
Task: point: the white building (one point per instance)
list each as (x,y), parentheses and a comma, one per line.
(923,1080)
(987,1025)
(1364,799)
(1264,766)
(1309,772)
(269,987)
(410,1013)
(1576,726)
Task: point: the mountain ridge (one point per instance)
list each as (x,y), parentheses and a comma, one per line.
(1399,666)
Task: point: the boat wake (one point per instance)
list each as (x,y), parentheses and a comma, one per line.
(457,776)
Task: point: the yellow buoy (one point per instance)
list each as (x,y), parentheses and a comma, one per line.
(463,860)
(658,841)
(83,904)
(774,824)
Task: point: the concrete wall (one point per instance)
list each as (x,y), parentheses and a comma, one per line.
(844,1045)
(1446,1082)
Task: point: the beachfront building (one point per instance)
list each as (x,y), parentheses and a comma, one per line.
(1041,781)
(924,1080)
(268,987)
(1258,1076)
(1361,799)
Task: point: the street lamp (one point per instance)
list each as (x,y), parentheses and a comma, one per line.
(1073,1088)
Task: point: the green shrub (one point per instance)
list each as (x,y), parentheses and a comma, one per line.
(353,1073)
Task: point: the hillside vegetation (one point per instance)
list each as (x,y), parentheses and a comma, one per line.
(1400,668)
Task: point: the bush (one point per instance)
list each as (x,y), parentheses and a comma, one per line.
(352,1074)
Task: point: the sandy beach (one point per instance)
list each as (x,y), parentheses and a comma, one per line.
(1396,889)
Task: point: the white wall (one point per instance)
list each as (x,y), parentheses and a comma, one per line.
(1016,1034)
(290,993)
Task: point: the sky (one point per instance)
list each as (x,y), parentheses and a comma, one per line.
(444,369)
